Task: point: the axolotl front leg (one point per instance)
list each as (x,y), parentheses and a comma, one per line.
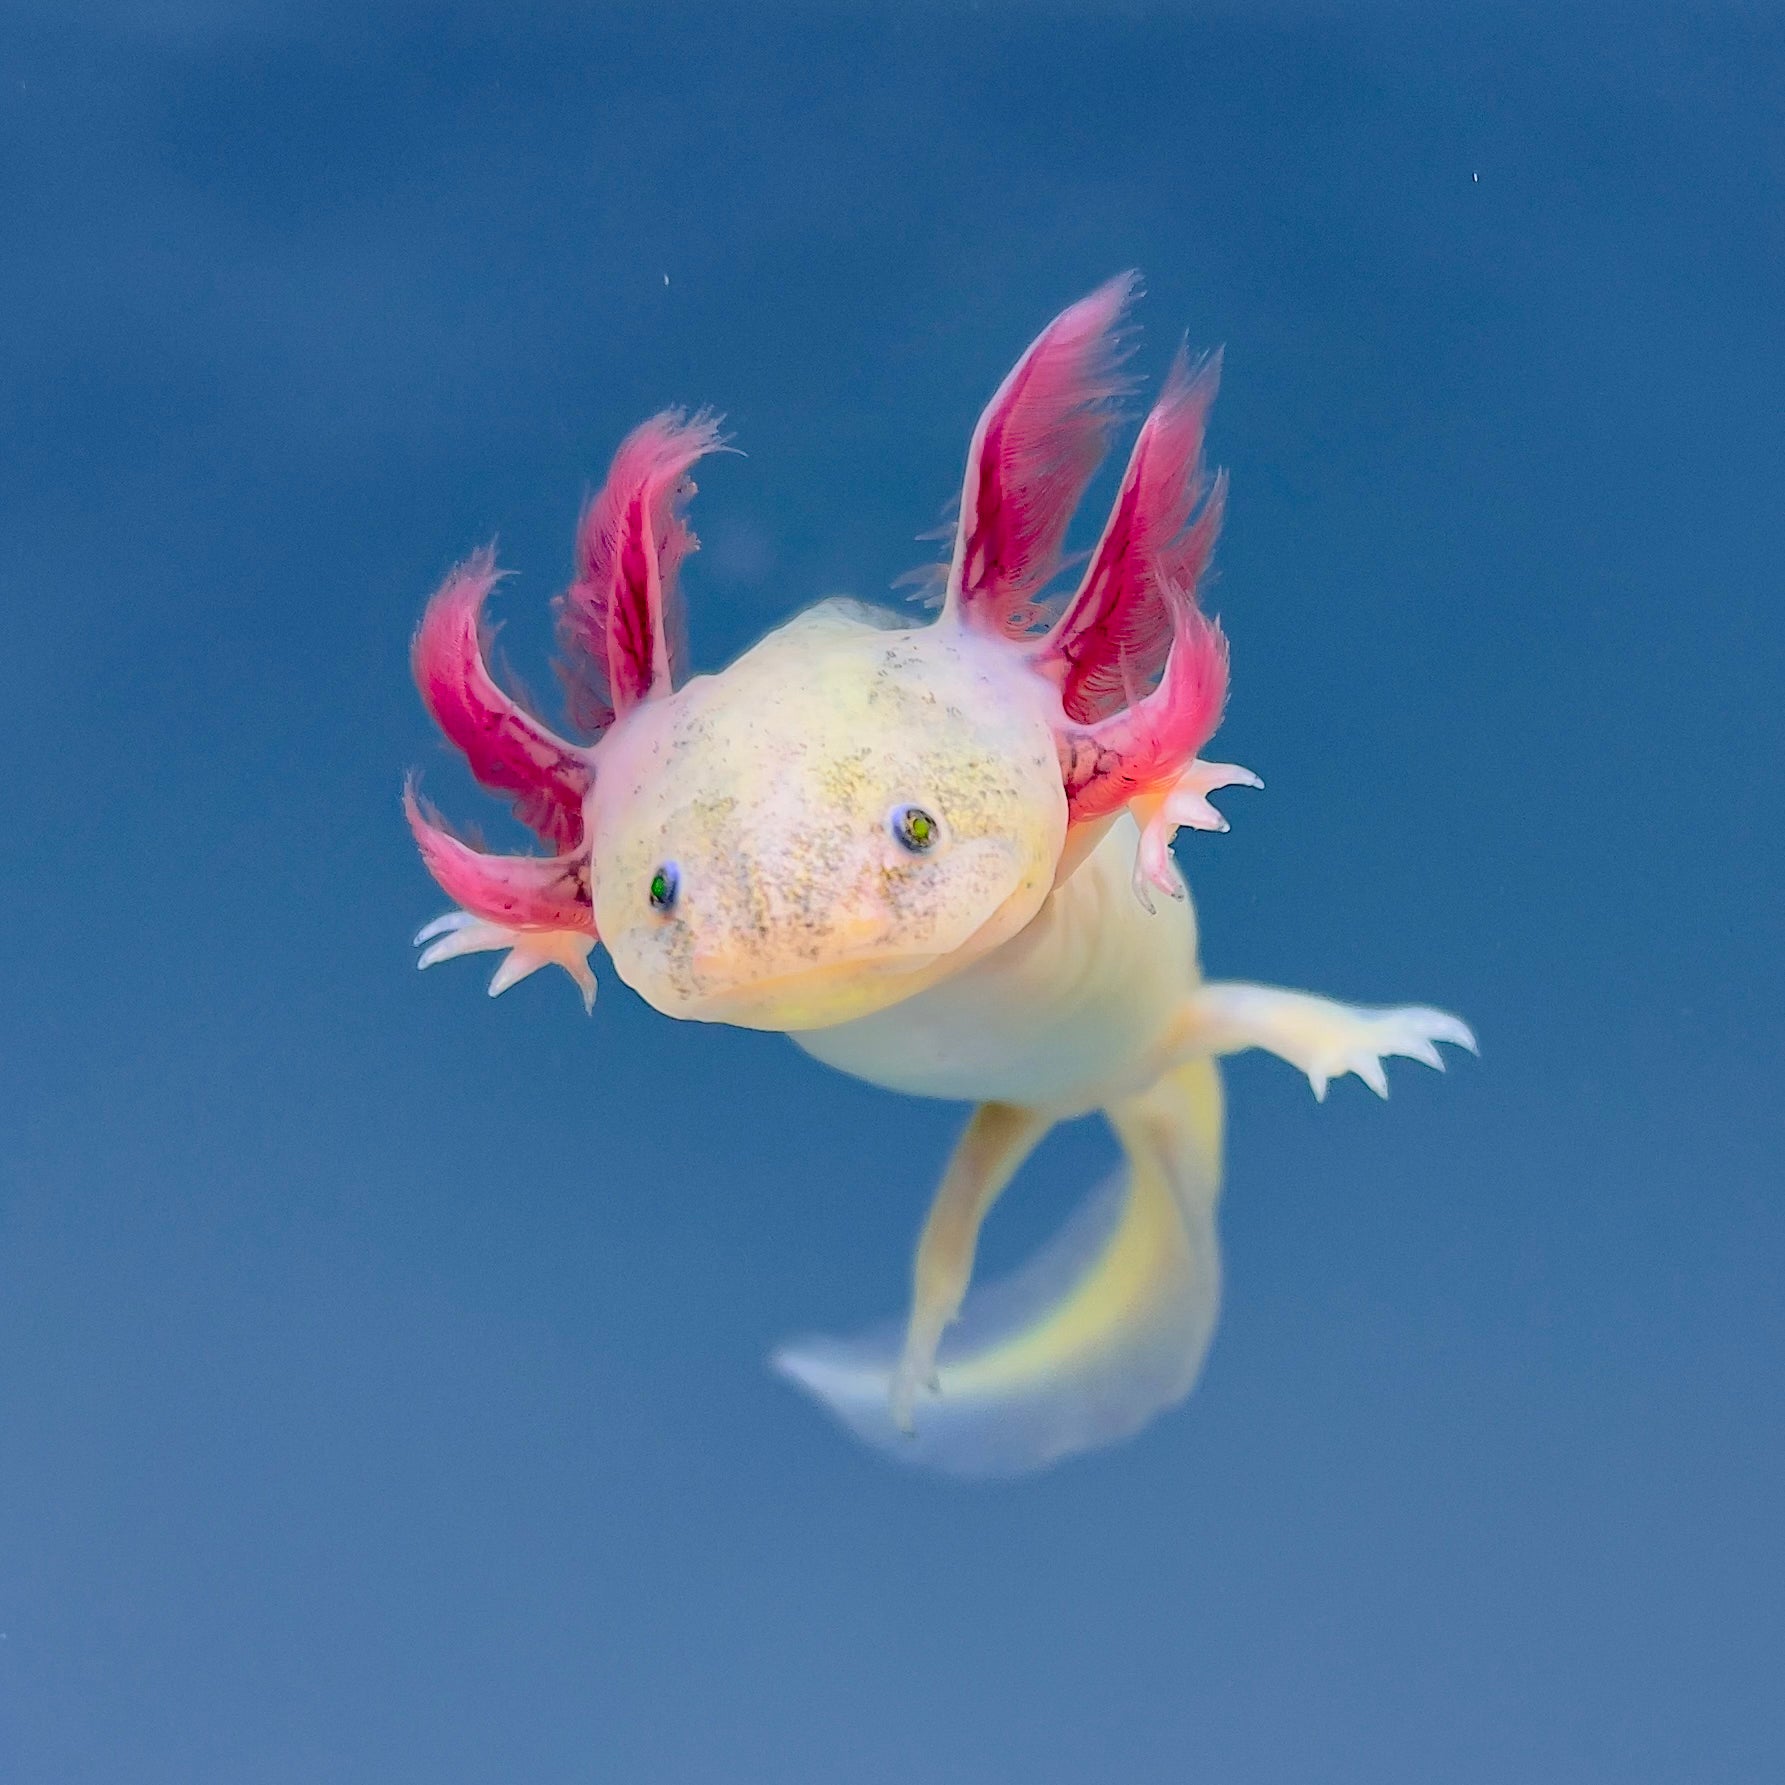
(1318,1036)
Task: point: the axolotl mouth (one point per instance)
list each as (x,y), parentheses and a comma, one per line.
(817,997)
(862,961)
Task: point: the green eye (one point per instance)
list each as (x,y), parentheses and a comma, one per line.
(663,887)
(915,828)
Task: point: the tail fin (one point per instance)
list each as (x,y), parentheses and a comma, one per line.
(1104,1328)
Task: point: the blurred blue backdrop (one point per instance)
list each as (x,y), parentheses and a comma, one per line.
(381,1369)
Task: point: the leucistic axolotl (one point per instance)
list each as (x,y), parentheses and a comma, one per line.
(931,854)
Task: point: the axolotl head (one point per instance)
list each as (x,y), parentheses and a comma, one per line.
(855,808)
(848,812)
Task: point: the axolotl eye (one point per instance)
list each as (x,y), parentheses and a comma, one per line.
(665,884)
(915,828)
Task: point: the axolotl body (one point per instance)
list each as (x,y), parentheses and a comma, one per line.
(938,856)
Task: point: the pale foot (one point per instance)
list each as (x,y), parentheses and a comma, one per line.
(1319,1036)
(915,1375)
(1161,815)
(458,933)
(1410,1031)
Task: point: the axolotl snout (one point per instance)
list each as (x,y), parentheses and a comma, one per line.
(938,856)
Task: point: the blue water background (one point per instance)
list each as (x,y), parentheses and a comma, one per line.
(381,1369)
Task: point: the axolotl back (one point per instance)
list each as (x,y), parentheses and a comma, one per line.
(939,857)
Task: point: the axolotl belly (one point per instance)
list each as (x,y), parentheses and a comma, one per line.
(938,856)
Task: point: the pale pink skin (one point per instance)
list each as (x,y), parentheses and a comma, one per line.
(1011,957)
(1141,672)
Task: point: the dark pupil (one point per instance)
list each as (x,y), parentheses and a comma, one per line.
(663,888)
(918,828)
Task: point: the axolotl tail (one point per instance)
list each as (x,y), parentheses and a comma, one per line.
(1104,1328)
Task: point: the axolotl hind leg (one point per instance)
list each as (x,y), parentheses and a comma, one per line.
(1104,1328)
(999,1138)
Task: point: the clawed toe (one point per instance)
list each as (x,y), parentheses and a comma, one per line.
(1183,805)
(524,951)
(1410,1034)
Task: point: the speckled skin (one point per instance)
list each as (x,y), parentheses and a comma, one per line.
(771,787)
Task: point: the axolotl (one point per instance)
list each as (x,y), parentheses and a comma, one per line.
(939,857)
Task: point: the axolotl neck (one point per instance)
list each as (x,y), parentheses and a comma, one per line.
(851,811)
